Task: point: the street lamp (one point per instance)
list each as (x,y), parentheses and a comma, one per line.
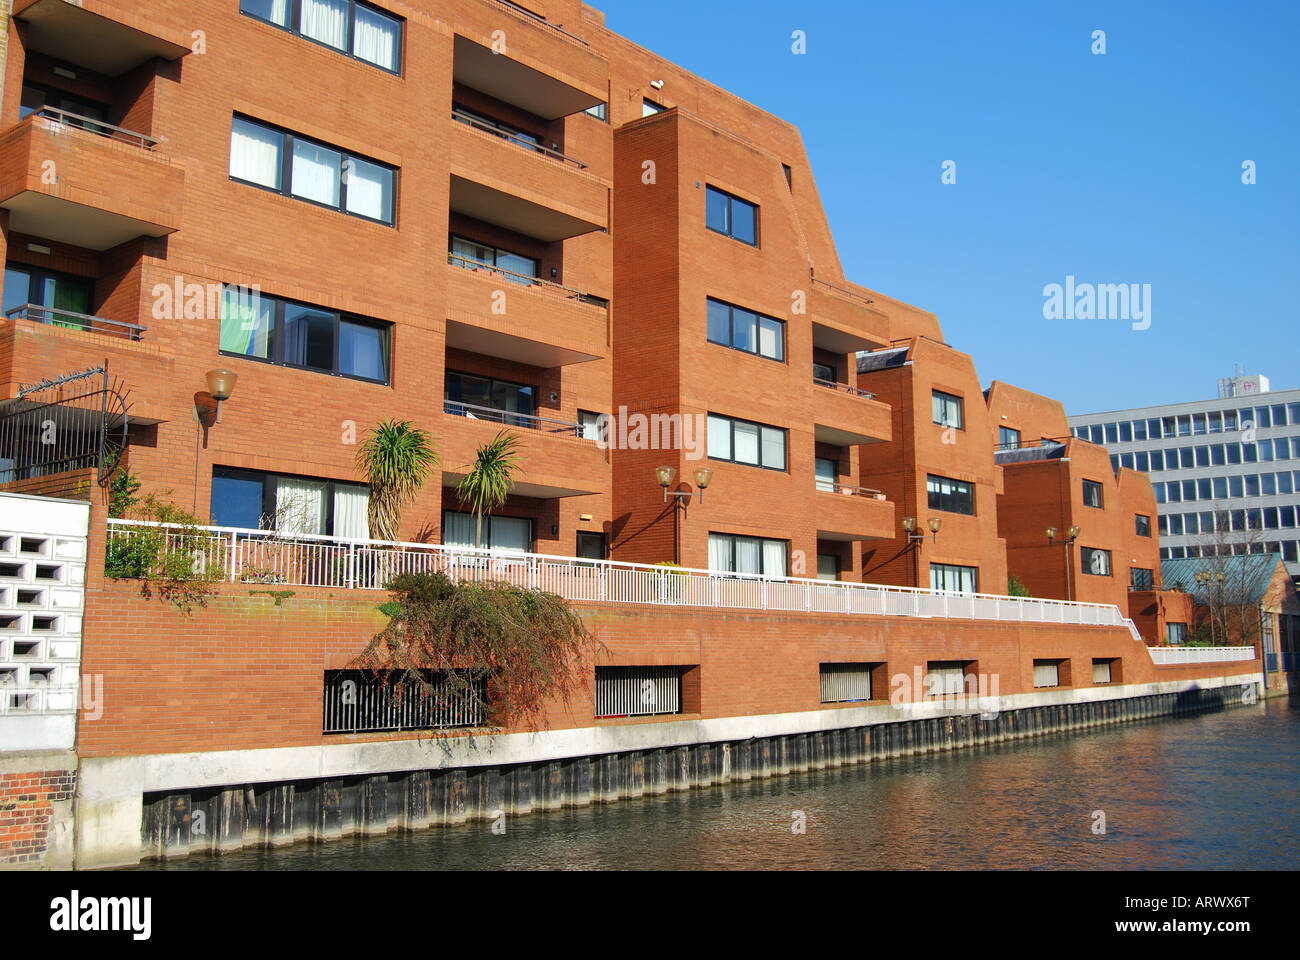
(1071,535)
(914,539)
(1205,578)
(665,476)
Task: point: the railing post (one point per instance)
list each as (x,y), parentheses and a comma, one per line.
(602,571)
(352,564)
(234,546)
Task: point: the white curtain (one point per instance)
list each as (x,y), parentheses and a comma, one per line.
(361,350)
(375,38)
(1045,675)
(458,529)
(326,21)
(255,153)
(511,535)
(773,558)
(719,438)
(370,189)
(316,172)
(769,339)
(350,504)
(747,556)
(746,443)
(277,11)
(774,448)
(719,554)
(299,505)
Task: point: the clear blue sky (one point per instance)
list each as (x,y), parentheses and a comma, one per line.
(1122,168)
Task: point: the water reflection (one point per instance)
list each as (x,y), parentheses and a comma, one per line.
(1209,792)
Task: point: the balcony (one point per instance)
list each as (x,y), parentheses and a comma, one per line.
(557,461)
(515,138)
(847,512)
(522,186)
(108,36)
(845,322)
(544,324)
(68,320)
(83,182)
(543,71)
(844,415)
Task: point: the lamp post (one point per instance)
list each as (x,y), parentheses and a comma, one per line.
(914,540)
(1071,535)
(665,477)
(1206,579)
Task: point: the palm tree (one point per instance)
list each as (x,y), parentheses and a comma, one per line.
(396,458)
(488,482)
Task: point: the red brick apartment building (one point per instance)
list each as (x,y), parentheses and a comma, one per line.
(480,213)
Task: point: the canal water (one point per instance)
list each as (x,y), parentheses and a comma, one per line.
(1217,792)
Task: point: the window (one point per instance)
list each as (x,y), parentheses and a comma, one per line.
(945,678)
(824,372)
(731,216)
(470,254)
(749,555)
(46,288)
(846,682)
(827,474)
(828,566)
(1141,578)
(947,409)
(1092,494)
(36,96)
(469,395)
(591,546)
(275,160)
(1095,562)
(254,500)
(1112,433)
(1008,439)
(1139,429)
(375,36)
(472,118)
(600,111)
(638,691)
(593,426)
(503,534)
(953,496)
(1126,431)
(950,578)
(649,108)
(280,331)
(1175,633)
(1047,673)
(744,330)
(740,441)
(1101,671)
(1143,524)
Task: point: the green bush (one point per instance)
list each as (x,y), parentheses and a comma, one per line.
(179,562)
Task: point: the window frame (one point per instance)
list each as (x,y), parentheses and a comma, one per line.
(339,317)
(734,537)
(487,528)
(294,28)
(452,371)
(1098,488)
(287,140)
(943,397)
(1137,523)
(931,495)
(1085,565)
(758,325)
(947,570)
(732,421)
(1003,442)
(269,491)
(731,198)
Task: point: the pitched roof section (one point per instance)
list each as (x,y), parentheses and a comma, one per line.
(1249,573)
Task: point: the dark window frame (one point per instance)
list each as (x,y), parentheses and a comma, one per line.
(1003,442)
(496,253)
(1138,524)
(450,372)
(734,537)
(1085,566)
(269,490)
(758,323)
(936,499)
(731,199)
(288,138)
(294,28)
(591,535)
(487,527)
(1094,486)
(961,409)
(339,318)
(785,434)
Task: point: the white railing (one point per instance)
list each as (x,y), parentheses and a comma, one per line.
(1163,656)
(261,556)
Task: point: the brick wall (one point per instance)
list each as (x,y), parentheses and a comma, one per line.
(35,802)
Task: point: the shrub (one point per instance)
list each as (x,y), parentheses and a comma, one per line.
(179,562)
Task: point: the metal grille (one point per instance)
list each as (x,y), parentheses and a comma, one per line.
(1101,671)
(356,701)
(846,682)
(945,679)
(638,691)
(1046,673)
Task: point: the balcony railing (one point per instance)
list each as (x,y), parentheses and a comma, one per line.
(526,280)
(111,131)
(527,421)
(75,321)
(843,388)
(1165,656)
(834,486)
(234,554)
(521,140)
(540,21)
(837,290)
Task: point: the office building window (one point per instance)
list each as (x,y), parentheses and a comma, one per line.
(503,534)
(285,163)
(289,504)
(357,29)
(1008,439)
(752,444)
(591,546)
(1092,494)
(731,216)
(258,327)
(947,410)
(748,555)
(951,578)
(1143,524)
(953,496)
(1141,578)
(1095,562)
(744,330)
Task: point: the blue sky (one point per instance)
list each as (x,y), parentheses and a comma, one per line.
(1119,168)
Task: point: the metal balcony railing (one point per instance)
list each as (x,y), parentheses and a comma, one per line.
(515,137)
(526,280)
(109,130)
(528,15)
(834,486)
(837,290)
(234,554)
(843,388)
(75,321)
(473,411)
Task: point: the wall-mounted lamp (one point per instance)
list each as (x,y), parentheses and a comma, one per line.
(910,528)
(221,384)
(666,477)
(1071,535)
(657,84)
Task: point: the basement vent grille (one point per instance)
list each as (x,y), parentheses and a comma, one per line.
(638,691)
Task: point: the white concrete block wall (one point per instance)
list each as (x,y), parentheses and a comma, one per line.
(42,605)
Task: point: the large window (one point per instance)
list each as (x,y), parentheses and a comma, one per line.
(469,254)
(751,555)
(298,335)
(469,395)
(731,216)
(828,474)
(1092,494)
(503,534)
(953,496)
(47,288)
(1141,579)
(1095,562)
(1008,439)
(753,444)
(357,29)
(950,578)
(288,504)
(1143,524)
(285,163)
(745,330)
(947,410)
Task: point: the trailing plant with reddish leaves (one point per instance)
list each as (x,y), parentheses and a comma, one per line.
(528,645)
